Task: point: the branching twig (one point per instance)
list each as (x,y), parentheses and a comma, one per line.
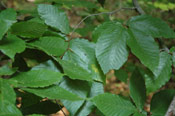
(138,8)
(109,13)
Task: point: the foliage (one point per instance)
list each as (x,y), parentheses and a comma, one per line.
(41,62)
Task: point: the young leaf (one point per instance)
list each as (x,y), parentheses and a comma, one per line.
(111,51)
(151,26)
(7,18)
(29,29)
(83,54)
(145,48)
(137,89)
(162,73)
(54,46)
(113,105)
(74,71)
(37,78)
(54,17)
(12,45)
(53,92)
(161,101)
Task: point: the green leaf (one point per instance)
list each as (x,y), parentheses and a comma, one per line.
(162,73)
(88,106)
(7,100)
(54,17)
(7,70)
(77,87)
(137,89)
(113,105)
(6,92)
(74,71)
(122,75)
(151,26)
(54,46)
(83,54)
(37,78)
(139,114)
(159,105)
(111,50)
(145,48)
(7,18)
(54,92)
(9,109)
(12,45)
(28,29)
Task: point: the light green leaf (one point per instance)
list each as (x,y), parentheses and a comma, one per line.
(113,105)
(111,50)
(83,54)
(6,92)
(54,92)
(12,45)
(54,46)
(160,105)
(7,70)
(137,89)
(145,48)
(28,29)
(37,78)
(54,17)
(151,26)
(74,71)
(162,73)
(7,18)
(9,109)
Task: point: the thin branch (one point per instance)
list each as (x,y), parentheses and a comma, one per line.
(108,13)
(60,108)
(138,8)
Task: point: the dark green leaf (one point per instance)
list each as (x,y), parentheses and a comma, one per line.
(137,89)
(44,107)
(37,78)
(122,75)
(7,18)
(54,46)
(74,71)
(151,26)
(54,17)
(161,101)
(111,51)
(29,29)
(145,48)
(162,73)
(139,114)
(83,54)
(12,45)
(54,92)
(113,105)
(77,87)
